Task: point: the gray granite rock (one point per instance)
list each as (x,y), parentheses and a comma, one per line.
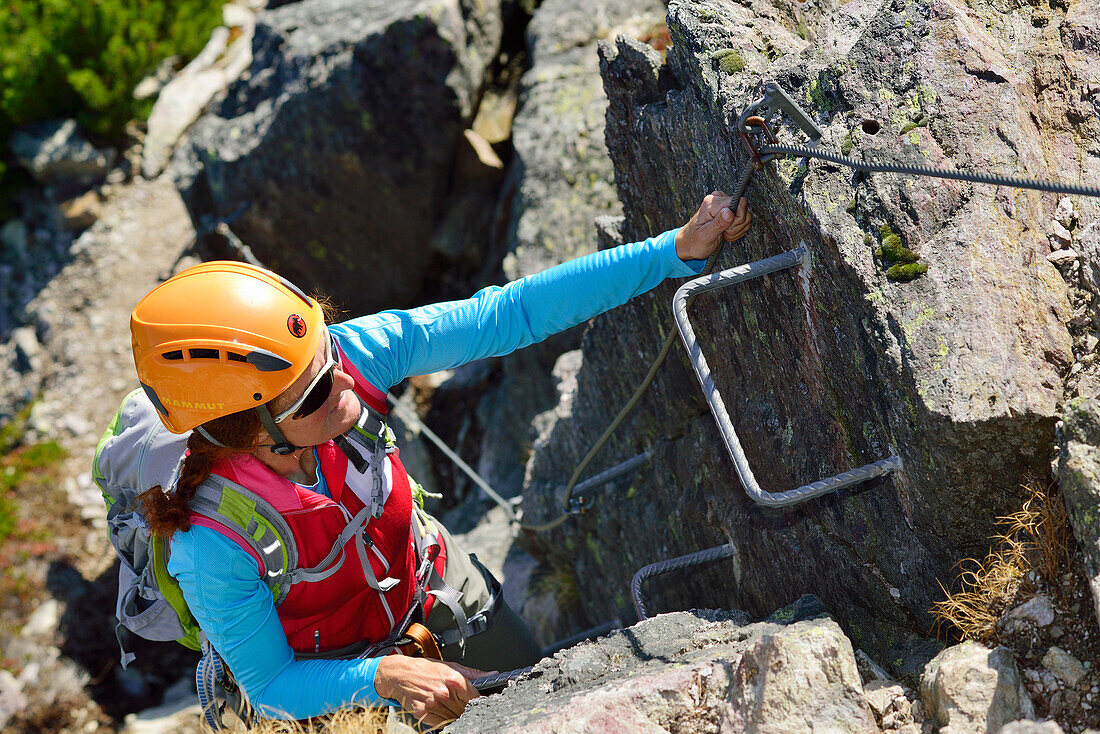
(1079,475)
(688,671)
(1034,613)
(1031,727)
(12,700)
(55,152)
(1025,726)
(339,146)
(959,372)
(562,176)
(970,688)
(1064,665)
(180,102)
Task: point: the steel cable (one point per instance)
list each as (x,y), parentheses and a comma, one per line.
(803,151)
(489,682)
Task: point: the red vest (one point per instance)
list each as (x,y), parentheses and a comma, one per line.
(343,609)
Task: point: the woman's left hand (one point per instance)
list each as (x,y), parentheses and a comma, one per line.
(714,221)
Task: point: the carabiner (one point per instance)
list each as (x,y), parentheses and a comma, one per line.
(765,135)
(762,111)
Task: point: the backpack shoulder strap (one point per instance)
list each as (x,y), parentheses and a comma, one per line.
(256,523)
(169,588)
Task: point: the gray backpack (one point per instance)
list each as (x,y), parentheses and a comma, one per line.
(135,453)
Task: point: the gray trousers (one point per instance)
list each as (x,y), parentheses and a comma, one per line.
(507,642)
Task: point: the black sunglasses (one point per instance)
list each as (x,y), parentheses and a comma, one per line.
(316,395)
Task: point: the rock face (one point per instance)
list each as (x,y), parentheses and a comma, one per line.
(559,181)
(1079,471)
(958,372)
(340,146)
(968,688)
(562,177)
(688,671)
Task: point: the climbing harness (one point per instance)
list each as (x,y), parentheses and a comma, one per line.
(209,672)
(217,689)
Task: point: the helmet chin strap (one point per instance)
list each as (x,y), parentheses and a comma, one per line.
(206,434)
(282,447)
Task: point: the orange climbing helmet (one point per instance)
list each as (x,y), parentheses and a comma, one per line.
(219,338)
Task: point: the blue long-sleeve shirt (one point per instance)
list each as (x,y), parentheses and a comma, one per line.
(220,581)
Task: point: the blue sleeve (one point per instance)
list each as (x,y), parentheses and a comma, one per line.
(235,609)
(389,346)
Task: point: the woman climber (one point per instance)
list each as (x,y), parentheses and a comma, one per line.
(288,408)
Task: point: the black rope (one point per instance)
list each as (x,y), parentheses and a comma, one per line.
(739,188)
(993,179)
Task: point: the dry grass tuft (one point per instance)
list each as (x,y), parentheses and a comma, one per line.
(1044,523)
(345,721)
(1036,538)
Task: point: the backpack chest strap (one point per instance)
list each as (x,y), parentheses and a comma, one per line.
(256,522)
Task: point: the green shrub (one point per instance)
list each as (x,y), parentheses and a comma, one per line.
(83,59)
(60,58)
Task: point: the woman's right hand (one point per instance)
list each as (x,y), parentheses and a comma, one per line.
(434,692)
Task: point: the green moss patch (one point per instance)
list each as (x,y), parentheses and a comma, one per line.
(907,272)
(903,265)
(729,60)
(892,249)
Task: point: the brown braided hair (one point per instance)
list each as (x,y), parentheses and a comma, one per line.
(167,512)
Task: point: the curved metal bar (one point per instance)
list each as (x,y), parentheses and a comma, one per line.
(496,681)
(798,256)
(606,476)
(673,564)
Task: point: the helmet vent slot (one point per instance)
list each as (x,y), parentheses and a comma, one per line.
(203,353)
(234,357)
(177,354)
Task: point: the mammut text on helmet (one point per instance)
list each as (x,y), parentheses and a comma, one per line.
(195,406)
